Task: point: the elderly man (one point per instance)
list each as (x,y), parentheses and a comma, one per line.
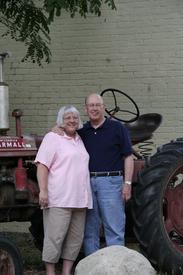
(111,168)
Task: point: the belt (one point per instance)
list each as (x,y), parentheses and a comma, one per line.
(105,174)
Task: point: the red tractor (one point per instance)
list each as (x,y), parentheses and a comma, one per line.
(155,211)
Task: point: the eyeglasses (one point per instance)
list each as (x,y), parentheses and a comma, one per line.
(69,118)
(98,105)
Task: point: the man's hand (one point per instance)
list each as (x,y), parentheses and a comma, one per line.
(58,130)
(126,192)
(128,172)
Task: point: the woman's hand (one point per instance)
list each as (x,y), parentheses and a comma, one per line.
(42,176)
(43,198)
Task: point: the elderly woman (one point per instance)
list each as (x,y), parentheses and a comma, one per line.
(65,194)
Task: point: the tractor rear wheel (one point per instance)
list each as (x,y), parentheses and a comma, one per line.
(158,208)
(10,258)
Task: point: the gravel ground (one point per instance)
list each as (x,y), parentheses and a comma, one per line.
(31,256)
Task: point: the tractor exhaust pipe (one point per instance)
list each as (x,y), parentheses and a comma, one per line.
(4,97)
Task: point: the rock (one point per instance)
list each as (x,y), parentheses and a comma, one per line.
(115,260)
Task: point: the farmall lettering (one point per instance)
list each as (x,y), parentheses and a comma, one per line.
(12,144)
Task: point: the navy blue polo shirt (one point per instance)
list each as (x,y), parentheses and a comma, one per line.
(106,145)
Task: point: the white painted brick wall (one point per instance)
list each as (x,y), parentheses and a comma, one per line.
(137,49)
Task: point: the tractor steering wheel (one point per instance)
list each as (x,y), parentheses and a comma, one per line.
(117,109)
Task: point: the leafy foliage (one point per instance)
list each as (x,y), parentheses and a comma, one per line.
(82,6)
(28,23)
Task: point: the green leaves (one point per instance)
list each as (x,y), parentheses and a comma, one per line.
(54,7)
(28,23)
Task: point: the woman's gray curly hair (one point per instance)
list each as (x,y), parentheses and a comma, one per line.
(64,111)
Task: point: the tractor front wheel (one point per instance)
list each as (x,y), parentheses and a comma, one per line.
(10,258)
(158,208)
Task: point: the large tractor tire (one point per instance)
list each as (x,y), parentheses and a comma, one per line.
(10,258)
(158,208)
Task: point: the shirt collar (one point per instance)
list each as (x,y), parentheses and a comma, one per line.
(104,125)
(76,139)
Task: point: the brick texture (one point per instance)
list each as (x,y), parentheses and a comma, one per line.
(137,49)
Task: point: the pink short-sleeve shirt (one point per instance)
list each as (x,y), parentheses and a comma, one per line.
(68,177)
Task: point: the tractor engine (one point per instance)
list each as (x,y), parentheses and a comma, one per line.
(19,192)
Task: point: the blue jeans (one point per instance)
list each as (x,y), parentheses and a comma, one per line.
(108,207)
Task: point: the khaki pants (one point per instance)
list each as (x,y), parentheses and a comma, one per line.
(63,233)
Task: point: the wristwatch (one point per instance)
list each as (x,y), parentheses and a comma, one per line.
(128,182)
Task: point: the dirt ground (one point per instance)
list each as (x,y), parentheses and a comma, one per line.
(31,256)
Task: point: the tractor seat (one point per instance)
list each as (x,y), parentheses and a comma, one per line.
(144,126)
